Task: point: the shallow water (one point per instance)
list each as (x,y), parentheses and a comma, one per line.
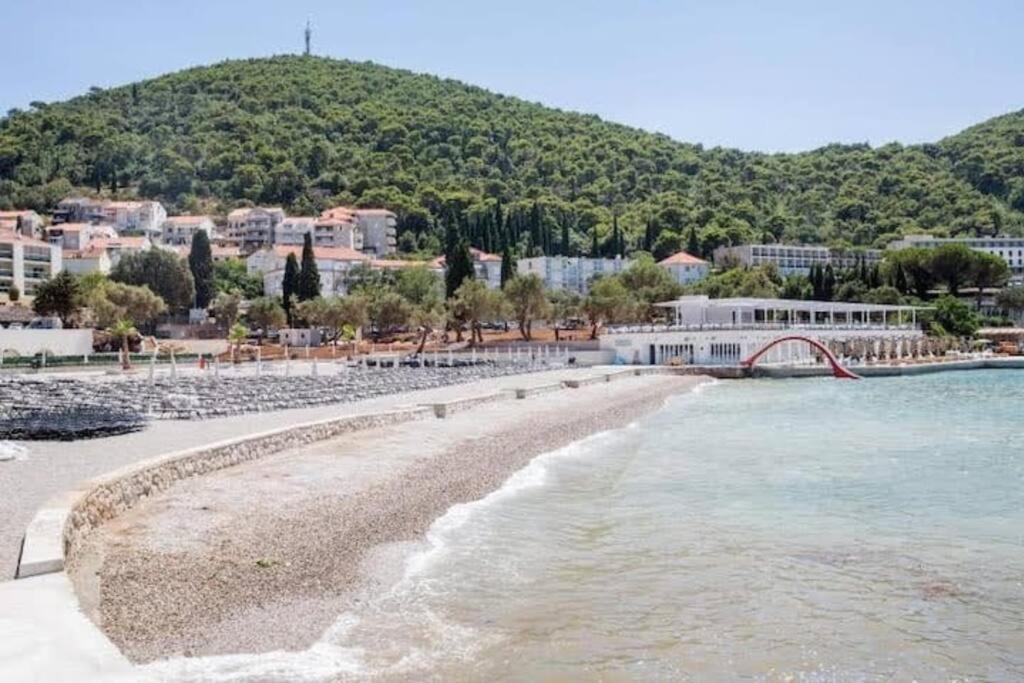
(811,530)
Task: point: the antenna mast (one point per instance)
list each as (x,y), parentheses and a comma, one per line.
(309,36)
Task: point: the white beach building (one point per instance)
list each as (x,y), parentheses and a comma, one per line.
(708,331)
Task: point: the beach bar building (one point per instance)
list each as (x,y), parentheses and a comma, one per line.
(705,331)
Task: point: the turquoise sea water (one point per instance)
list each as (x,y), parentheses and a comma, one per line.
(814,530)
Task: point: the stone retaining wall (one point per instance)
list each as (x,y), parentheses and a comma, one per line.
(448,408)
(64,522)
(526,392)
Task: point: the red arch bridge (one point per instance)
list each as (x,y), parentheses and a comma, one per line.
(838,371)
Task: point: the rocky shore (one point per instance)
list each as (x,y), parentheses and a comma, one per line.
(266,555)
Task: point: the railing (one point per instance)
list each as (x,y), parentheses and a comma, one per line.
(724,327)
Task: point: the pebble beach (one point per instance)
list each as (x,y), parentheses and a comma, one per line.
(266,555)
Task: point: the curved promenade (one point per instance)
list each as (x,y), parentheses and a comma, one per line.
(41,612)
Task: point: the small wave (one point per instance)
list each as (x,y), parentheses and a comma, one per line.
(533,475)
(325,660)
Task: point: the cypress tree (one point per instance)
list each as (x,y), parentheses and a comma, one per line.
(459,269)
(565,245)
(899,279)
(648,243)
(692,243)
(828,283)
(200,262)
(290,284)
(309,275)
(595,248)
(508,265)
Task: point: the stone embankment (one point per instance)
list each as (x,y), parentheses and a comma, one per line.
(193,398)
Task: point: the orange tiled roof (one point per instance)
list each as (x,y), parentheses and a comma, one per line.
(477,255)
(324,253)
(186,220)
(11,236)
(681,258)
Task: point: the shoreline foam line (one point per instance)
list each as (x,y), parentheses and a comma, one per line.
(328,656)
(49,537)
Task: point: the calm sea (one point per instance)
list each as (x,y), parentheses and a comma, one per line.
(801,530)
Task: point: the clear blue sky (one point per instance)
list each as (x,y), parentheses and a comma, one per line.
(771,76)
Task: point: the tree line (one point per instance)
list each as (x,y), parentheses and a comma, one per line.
(308,133)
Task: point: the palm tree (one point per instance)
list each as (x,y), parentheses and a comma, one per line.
(237,336)
(124,330)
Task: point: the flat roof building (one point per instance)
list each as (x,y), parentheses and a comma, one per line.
(795,259)
(707,331)
(1010,249)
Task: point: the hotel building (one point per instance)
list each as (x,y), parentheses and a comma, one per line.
(795,259)
(570,273)
(706,331)
(1010,249)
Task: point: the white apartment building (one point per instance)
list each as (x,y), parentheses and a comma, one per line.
(333,263)
(685,268)
(179,230)
(795,259)
(570,273)
(26,262)
(254,228)
(1010,249)
(326,232)
(76,236)
(78,210)
(379,231)
(135,218)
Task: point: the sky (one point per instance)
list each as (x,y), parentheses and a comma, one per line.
(774,76)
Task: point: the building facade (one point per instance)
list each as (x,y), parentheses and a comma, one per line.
(135,218)
(685,268)
(253,228)
(486,267)
(180,230)
(333,263)
(707,331)
(142,217)
(76,236)
(570,273)
(1010,249)
(26,262)
(795,259)
(379,231)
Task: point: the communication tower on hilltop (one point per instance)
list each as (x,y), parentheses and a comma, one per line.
(309,36)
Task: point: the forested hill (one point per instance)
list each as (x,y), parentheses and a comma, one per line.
(307,132)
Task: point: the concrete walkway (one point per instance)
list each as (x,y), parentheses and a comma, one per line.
(43,639)
(52,467)
(44,636)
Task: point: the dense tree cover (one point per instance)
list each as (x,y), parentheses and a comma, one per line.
(230,276)
(307,132)
(905,276)
(163,271)
(58,296)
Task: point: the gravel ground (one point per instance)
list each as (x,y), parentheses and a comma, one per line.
(40,469)
(264,556)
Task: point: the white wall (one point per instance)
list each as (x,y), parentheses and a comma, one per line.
(57,342)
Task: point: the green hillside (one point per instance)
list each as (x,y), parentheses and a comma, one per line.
(308,132)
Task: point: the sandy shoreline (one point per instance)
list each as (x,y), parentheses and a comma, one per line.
(266,555)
